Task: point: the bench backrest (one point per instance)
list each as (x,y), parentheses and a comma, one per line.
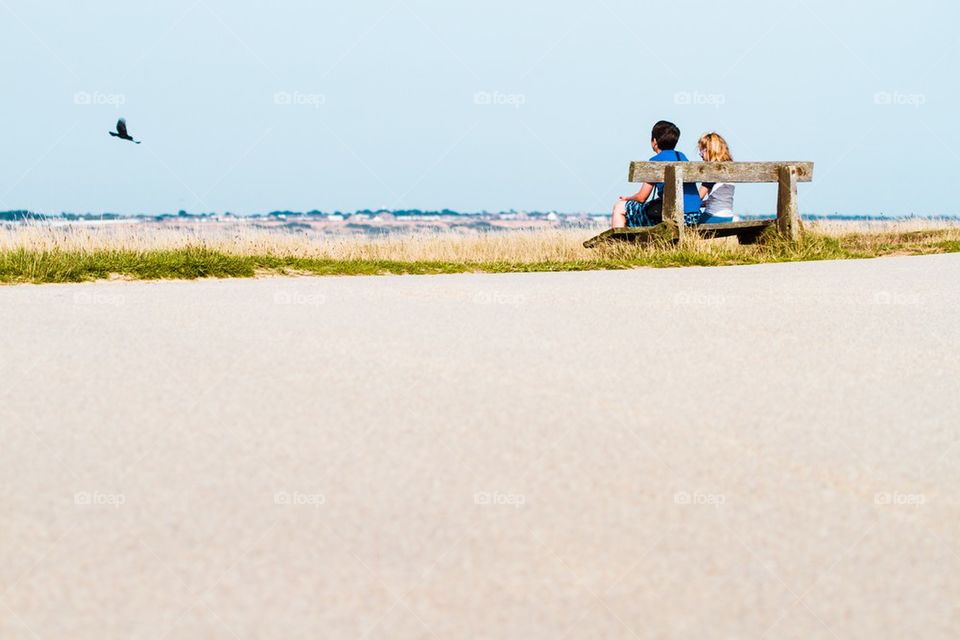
(720,171)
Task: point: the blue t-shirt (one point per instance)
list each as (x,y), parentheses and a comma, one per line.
(691,195)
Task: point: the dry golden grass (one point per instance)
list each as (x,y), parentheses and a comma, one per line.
(526,246)
(41,252)
(874,227)
(558,245)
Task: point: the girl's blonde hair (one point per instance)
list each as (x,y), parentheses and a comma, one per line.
(716,148)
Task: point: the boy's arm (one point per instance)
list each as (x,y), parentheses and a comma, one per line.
(642,195)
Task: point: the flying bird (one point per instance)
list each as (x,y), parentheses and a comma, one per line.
(121,132)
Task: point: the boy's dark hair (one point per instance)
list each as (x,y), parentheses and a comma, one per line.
(666,134)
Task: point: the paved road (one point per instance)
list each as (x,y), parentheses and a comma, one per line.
(748,452)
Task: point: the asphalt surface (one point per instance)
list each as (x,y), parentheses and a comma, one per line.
(768,451)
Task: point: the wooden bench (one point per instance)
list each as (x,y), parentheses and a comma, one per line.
(674,174)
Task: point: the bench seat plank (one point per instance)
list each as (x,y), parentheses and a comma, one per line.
(747,231)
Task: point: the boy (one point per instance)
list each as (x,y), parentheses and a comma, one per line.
(628,212)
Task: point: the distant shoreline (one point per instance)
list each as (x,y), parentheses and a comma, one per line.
(24,215)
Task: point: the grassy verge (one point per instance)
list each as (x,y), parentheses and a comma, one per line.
(24,264)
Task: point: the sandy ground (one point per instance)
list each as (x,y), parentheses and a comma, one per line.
(745,452)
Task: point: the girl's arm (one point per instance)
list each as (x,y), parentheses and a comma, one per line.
(704,192)
(642,195)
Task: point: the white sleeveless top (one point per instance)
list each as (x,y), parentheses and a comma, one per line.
(719,201)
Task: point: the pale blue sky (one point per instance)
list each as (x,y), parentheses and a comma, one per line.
(384,101)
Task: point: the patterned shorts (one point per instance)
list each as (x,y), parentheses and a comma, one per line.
(635,215)
(637,218)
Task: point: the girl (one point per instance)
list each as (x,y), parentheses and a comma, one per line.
(717,196)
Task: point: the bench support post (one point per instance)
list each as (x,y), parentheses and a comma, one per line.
(673,198)
(788,211)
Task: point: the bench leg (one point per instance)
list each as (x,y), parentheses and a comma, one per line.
(673,198)
(788,211)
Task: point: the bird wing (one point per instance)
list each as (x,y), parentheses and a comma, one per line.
(122,127)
